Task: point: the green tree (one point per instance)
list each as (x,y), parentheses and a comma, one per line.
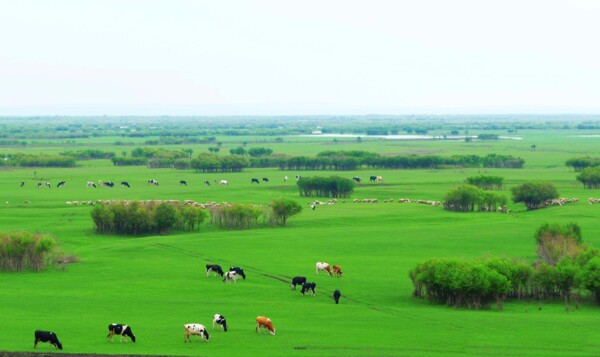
(282,209)
(590,177)
(165,217)
(590,277)
(533,194)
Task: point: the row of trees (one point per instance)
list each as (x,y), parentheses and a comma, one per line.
(136,218)
(24,160)
(332,186)
(565,268)
(580,163)
(466,198)
(89,154)
(216,163)
(25,250)
(486,182)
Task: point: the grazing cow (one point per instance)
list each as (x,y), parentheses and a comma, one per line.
(285,178)
(220,320)
(372,178)
(120,329)
(308,286)
(206,182)
(125,183)
(183,182)
(238,271)
(356,179)
(224,182)
(379,179)
(22,183)
(298,177)
(153,182)
(265,179)
(323,266)
(254,180)
(337,271)
(48,184)
(195,329)
(313,206)
(39,185)
(265,322)
(90,184)
(109,184)
(230,275)
(46,336)
(60,184)
(336,296)
(214,268)
(298,280)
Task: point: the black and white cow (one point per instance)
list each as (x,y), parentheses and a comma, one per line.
(90,184)
(220,320)
(298,177)
(265,179)
(357,179)
(254,180)
(39,185)
(238,271)
(153,182)
(47,336)
(197,330)
(230,275)
(109,184)
(183,182)
(214,268)
(309,286)
(125,183)
(120,329)
(336,296)
(207,183)
(298,280)
(48,184)
(60,184)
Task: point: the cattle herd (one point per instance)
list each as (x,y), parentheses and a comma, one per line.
(199,330)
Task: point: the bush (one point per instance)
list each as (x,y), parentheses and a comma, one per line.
(235,216)
(282,209)
(24,250)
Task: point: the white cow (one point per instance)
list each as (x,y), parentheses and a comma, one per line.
(323,266)
(197,330)
(230,275)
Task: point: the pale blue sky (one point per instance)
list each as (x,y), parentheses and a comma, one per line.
(299,57)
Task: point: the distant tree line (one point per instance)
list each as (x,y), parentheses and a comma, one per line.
(89,154)
(486,182)
(565,269)
(25,250)
(42,160)
(332,186)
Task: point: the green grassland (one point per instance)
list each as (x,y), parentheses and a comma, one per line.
(157,283)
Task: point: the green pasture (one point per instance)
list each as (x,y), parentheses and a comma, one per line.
(157,283)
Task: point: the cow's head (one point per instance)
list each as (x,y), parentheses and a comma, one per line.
(58,344)
(205,333)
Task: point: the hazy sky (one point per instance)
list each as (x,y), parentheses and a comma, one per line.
(299,57)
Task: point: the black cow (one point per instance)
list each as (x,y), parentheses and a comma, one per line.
(215,268)
(183,182)
(120,329)
(220,320)
(22,183)
(239,271)
(309,286)
(61,183)
(125,183)
(356,179)
(298,280)
(207,183)
(39,184)
(254,180)
(46,336)
(336,296)
(109,184)
(372,178)
(265,179)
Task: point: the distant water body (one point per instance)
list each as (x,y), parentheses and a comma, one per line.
(403,137)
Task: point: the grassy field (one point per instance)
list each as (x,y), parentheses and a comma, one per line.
(157,283)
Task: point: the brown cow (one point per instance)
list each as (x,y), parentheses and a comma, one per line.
(265,322)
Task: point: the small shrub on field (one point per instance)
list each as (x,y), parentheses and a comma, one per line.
(25,250)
